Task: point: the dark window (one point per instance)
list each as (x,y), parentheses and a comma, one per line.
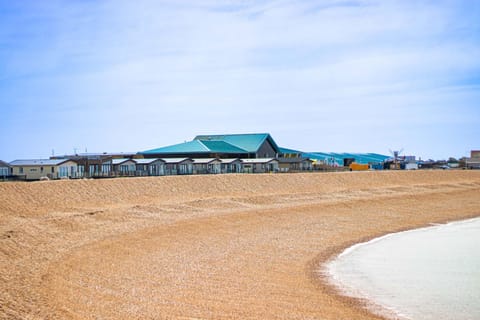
(41,169)
(53,169)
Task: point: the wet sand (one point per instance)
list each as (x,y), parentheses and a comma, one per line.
(206,247)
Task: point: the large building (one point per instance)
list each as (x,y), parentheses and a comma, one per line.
(342,159)
(247,146)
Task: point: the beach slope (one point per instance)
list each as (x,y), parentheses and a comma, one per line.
(206,247)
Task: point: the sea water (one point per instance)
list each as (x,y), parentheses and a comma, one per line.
(428,273)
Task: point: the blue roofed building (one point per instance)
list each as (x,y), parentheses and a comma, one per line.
(251,145)
(338,159)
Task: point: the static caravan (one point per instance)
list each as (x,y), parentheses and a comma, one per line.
(231,165)
(37,169)
(474,161)
(174,166)
(294,164)
(411,166)
(150,167)
(206,165)
(5,170)
(124,167)
(260,165)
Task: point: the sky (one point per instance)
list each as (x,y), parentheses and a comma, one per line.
(326,75)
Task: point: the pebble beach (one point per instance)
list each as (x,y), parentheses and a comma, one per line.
(233,246)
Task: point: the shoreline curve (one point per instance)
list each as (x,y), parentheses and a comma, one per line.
(328,276)
(215,247)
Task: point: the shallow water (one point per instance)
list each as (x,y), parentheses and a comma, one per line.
(429,273)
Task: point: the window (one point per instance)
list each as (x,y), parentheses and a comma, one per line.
(53,169)
(41,169)
(106,168)
(20,170)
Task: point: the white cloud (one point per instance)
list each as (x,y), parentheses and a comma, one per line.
(171,69)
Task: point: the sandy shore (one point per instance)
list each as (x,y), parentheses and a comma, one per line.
(205,247)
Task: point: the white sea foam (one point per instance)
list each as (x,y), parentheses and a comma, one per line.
(428,273)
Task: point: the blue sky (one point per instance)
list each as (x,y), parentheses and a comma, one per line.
(339,76)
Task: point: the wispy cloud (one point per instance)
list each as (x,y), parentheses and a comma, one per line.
(172,69)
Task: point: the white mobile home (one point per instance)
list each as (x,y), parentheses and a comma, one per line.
(5,169)
(295,164)
(206,165)
(260,165)
(150,167)
(175,166)
(231,165)
(37,169)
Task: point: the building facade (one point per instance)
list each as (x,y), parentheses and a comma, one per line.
(255,145)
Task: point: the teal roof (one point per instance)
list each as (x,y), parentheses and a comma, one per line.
(289,151)
(249,142)
(191,146)
(229,143)
(362,158)
(221,147)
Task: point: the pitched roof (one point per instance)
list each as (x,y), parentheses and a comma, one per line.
(250,142)
(205,160)
(228,143)
(38,162)
(3,164)
(120,161)
(176,160)
(259,160)
(221,147)
(289,151)
(147,161)
(191,146)
(229,161)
